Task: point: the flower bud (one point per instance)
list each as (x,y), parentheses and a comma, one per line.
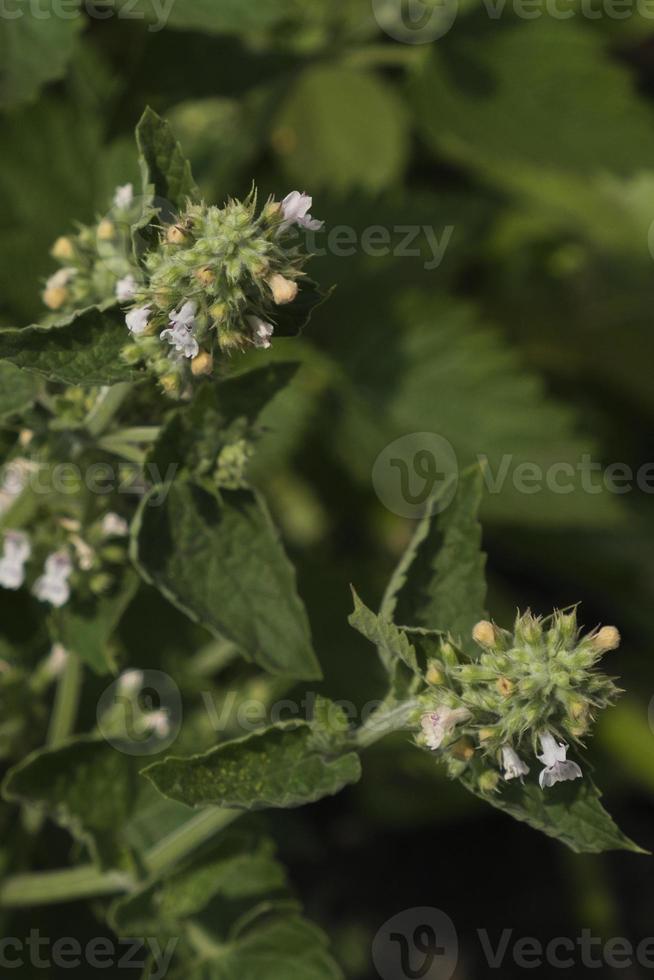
(202,363)
(55,297)
(272,210)
(163,299)
(101,583)
(171,384)
(106,230)
(489,781)
(62,249)
(608,638)
(435,674)
(205,276)
(283,290)
(463,749)
(175,235)
(218,312)
(485,634)
(504,686)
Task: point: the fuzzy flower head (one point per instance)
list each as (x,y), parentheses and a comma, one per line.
(15,554)
(53,586)
(439,724)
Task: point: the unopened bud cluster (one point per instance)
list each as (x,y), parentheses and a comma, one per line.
(530,693)
(215,284)
(96,263)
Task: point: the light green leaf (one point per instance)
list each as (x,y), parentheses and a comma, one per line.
(165,170)
(440,583)
(391,642)
(284,766)
(342,129)
(35,48)
(87,786)
(84,349)
(17,389)
(219,559)
(570,812)
(85,628)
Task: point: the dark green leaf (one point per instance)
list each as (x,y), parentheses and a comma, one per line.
(165,170)
(219,559)
(35,47)
(285,766)
(17,389)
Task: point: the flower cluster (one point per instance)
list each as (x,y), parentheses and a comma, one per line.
(97,263)
(214,284)
(74,560)
(528,695)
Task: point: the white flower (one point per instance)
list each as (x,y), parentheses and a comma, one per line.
(159,722)
(60,279)
(124,196)
(126,288)
(295,208)
(180,334)
(261,331)
(130,681)
(137,320)
(53,585)
(436,725)
(17,550)
(557,768)
(512,764)
(114,526)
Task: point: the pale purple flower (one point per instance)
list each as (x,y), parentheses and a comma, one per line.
(131,681)
(180,334)
(295,208)
(17,550)
(159,722)
(557,767)
(137,320)
(126,288)
(261,331)
(437,725)
(53,586)
(512,764)
(124,196)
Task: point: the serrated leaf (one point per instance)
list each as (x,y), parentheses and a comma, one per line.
(84,349)
(87,786)
(570,812)
(85,628)
(165,170)
(440,582)
(391,642)
(219,559)
(342,129)
(283,766)
(35,48)
(17,389)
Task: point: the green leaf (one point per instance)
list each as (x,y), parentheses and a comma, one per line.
(275,946)
(440,582)
(84,349)
(36,45)
(85,628)
(87,786)
(570,812)
(165,170)
(219,559)
(391,642)
(240,866)
(342,129)
(284,766)
(17,389)
(226,17)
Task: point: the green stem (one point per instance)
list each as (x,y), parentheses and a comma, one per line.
(106,407)
(71,884)
(64,711)
(127,450)
(384,722)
